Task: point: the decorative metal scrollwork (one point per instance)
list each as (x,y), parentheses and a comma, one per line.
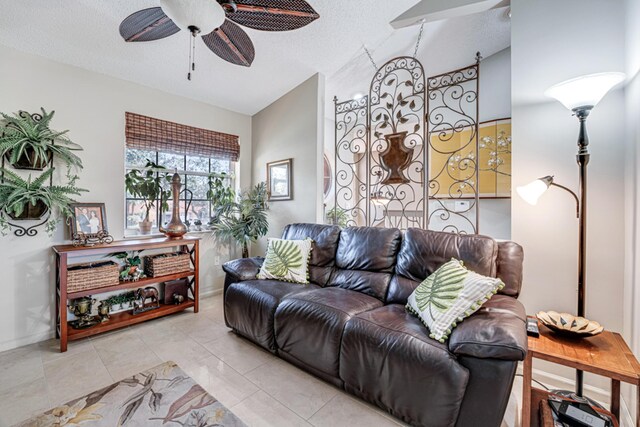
(396,161)
(408,146)
(351,160)
(92,239)
(452,120)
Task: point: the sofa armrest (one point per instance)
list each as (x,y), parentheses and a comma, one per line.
(496,331)
(243,268)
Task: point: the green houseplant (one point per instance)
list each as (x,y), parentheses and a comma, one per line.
(132,265)
(27,142)
(31,199)
(337,216)
(220,194)
(147,184)
(243,219)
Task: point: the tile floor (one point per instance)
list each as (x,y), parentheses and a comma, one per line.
(258,387)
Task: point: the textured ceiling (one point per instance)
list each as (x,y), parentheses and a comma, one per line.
(446,45)
(84,33)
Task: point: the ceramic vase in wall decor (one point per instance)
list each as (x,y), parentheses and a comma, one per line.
(176,228)
(396,158)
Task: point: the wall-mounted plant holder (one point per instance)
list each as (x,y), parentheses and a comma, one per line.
(30,201)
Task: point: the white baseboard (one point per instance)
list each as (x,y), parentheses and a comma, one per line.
(26,340)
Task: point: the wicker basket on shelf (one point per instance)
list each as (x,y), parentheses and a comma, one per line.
(92,275)
(166,264)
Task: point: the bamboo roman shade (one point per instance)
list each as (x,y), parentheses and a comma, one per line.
(147,133)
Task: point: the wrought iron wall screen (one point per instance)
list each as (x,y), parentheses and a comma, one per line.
(383,145)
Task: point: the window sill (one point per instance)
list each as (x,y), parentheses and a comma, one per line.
(132,234)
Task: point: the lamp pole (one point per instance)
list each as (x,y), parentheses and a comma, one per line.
(583,159)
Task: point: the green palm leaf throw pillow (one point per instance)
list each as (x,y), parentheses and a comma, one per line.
(449,295)
(287,260)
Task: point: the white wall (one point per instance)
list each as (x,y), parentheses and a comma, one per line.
(631,307)
(92,106)
(292,127)
(551,42)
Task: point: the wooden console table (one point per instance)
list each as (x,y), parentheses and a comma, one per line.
(64,253)
(605,354)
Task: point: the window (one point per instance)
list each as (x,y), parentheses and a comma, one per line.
(193,152)
(194,172)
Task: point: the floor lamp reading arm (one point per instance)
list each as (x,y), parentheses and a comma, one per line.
(575,196)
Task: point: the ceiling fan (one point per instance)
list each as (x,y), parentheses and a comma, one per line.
(215,22)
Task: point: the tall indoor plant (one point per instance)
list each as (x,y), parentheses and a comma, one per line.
(242,219)
(147,184)
(27,142)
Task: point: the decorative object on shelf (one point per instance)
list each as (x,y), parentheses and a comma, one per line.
(167,263)
(141,296)
(568,324)
(89,224)
(279,180)
(244,220)
(147,184)
(27,142)
(120,300)
(169,289)
(92,275)
(198,225)
(81,308)
(216,23)
(580,95)
(178,299)
(103,311)
(100,238)
(176,228)
(132,270)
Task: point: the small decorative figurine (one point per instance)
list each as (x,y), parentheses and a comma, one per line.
(81,308)
(141,296)
(178,299)
(103,310)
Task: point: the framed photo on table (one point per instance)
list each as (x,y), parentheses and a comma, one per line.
(88,218)
(279,180)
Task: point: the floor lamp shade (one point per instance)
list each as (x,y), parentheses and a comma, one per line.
(584,91)
(531,192)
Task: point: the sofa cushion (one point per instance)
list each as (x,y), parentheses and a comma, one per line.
(449,295)
(323,253)
(423,251)
(287,260)
(388,359)
(309,325)
(250,307)
(509,267)
(365,260)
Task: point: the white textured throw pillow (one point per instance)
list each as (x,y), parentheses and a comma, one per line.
(448,295)
(287,260)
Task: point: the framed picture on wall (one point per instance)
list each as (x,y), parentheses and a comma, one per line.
(279,180)
(88,218)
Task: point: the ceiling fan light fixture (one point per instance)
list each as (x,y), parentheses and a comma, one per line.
(203,15)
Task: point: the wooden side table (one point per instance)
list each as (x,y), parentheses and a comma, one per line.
(605,354)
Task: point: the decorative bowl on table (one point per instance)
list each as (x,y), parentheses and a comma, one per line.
(569,325)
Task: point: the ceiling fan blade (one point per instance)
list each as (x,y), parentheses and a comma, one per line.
(231,43)
(270,15)
(147,25)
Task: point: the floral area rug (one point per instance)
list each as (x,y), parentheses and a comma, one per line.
(163,395)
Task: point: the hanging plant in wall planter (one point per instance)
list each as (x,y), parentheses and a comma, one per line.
(27,142)
(32,199)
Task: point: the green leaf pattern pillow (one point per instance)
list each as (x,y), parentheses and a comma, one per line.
(448,295)
(287,260)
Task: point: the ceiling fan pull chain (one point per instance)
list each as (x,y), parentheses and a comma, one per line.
(193,63)
(415,52)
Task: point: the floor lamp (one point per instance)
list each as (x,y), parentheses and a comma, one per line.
(580,95)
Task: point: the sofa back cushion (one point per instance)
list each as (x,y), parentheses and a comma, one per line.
(365,260)
(424,251)
(509,267)
(323,250)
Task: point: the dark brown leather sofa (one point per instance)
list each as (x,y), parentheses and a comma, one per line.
(350,328)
